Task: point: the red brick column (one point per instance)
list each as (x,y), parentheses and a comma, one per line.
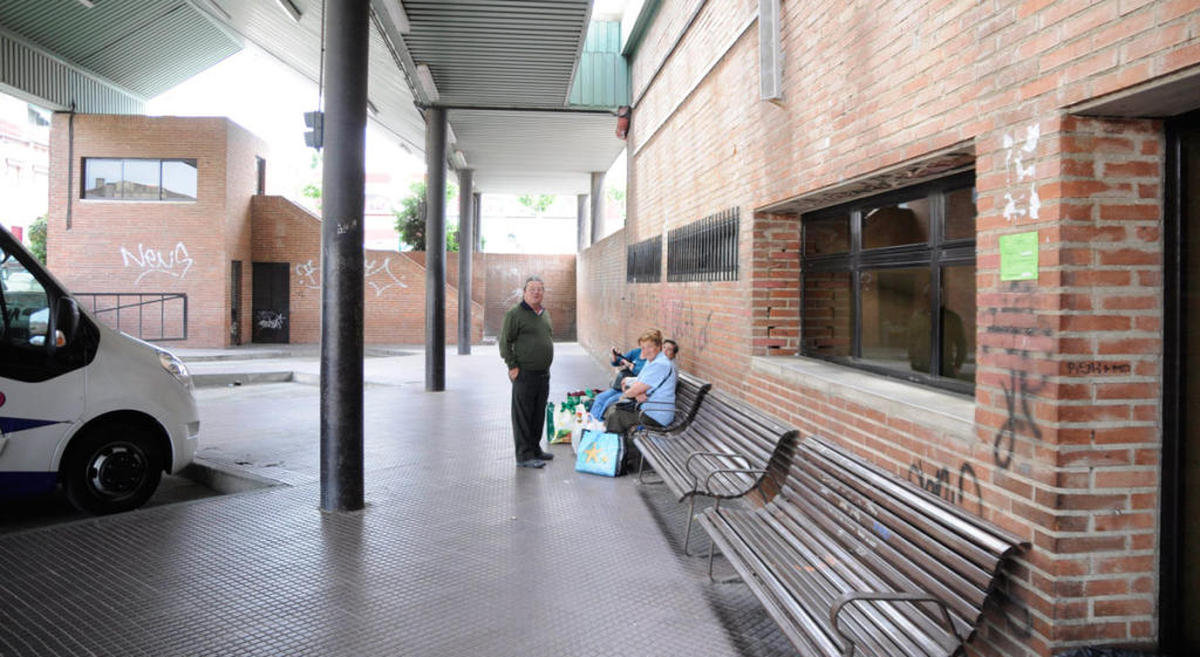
(1069,379)
(775,285)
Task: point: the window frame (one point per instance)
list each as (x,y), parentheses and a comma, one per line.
(83,188)
(936,254)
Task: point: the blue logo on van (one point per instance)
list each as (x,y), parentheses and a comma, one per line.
(15,424)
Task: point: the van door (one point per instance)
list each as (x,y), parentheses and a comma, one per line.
(41,385)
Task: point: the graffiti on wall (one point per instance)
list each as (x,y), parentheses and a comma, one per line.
(174,263)
(1019,173)
(1018,391)
(687,326)
(308,275)
(270,320)
(943,484)
(379,276)
(376,273)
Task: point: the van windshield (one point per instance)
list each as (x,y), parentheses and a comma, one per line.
(24,305)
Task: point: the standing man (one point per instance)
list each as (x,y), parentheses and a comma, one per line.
(527,347)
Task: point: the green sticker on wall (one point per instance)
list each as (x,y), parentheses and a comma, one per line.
(1019,257)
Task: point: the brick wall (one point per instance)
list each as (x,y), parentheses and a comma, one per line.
(394,288)
(1060,443)
(506,274)
(151,247)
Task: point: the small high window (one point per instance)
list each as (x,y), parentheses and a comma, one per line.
(889,284)
(139,179)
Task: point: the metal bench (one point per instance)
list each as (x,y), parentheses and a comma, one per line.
(851,560)
(689,392)
(725,451)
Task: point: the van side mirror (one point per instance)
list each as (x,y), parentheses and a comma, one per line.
(65,323)
(67,310)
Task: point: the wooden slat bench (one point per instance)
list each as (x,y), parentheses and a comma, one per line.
(851,560)
(724,452)
(690,390)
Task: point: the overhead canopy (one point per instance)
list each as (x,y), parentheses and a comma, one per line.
(113,55)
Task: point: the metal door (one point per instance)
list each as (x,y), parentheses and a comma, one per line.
(271,302)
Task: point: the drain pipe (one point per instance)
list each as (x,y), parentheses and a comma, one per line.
(71,162)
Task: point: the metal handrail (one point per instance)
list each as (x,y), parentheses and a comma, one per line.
(111,314)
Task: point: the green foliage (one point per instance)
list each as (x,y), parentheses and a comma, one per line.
(311,191)
(538,204)
(37,238)
(410,218)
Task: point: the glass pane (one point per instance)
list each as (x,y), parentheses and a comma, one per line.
(179,180)
(827,327)
(27,311)
(101,178)
(960,214)
(826,236)
(141,180)
(958,322)
(895,318)
(896,225)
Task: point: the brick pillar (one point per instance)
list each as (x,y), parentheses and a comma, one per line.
(1069,380)
(775,268)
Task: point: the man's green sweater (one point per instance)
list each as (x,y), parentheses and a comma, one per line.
(526,339)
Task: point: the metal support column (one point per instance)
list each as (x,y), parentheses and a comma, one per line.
(597,206)
(478,215)
(435,249)
(466,236)
(347,36)
(581,213)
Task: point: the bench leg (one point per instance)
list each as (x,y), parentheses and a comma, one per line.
(687,536)
(642,469)
(714,580)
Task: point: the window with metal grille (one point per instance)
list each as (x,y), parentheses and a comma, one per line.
(643,261)
(705,250)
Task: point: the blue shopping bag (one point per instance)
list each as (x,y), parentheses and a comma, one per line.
(600,453)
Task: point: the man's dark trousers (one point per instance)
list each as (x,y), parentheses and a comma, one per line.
(529,394)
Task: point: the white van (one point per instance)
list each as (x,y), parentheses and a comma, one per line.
(96,410)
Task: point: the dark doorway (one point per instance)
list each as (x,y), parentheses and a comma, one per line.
(261,186)
(1179,604)
(235,302)
(271,302)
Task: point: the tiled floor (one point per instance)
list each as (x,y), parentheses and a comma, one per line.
(457,553)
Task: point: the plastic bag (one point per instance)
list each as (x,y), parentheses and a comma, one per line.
(564,423)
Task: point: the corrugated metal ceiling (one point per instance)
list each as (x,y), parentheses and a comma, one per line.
(480,52)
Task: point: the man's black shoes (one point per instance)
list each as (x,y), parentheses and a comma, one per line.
(546,456)
(531,463)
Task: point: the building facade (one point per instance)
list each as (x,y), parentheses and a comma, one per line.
(951,236)
(163,227)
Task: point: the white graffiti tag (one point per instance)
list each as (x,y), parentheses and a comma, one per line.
(1021,204)
(176,263)
(310,276)
(382,273)
(269,319)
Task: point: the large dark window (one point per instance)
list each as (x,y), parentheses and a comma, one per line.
(139,179)
(889,283)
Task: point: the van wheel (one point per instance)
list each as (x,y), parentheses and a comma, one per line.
(111,468)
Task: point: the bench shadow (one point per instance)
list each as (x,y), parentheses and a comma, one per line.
(742,617)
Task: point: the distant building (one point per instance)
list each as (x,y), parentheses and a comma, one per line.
(163,227)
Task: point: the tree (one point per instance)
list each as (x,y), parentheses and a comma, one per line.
(410,218)
(37,238)
(538,204)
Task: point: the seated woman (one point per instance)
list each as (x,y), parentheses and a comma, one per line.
(630,364)
(654,387)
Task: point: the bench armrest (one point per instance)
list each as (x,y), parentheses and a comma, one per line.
(850,598)
(757,471)
(687,465)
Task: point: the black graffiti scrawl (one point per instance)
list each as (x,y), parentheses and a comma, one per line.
(1017,393)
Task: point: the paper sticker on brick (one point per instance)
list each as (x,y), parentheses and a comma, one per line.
(1019,257)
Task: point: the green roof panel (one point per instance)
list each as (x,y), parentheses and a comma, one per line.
(602,79)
